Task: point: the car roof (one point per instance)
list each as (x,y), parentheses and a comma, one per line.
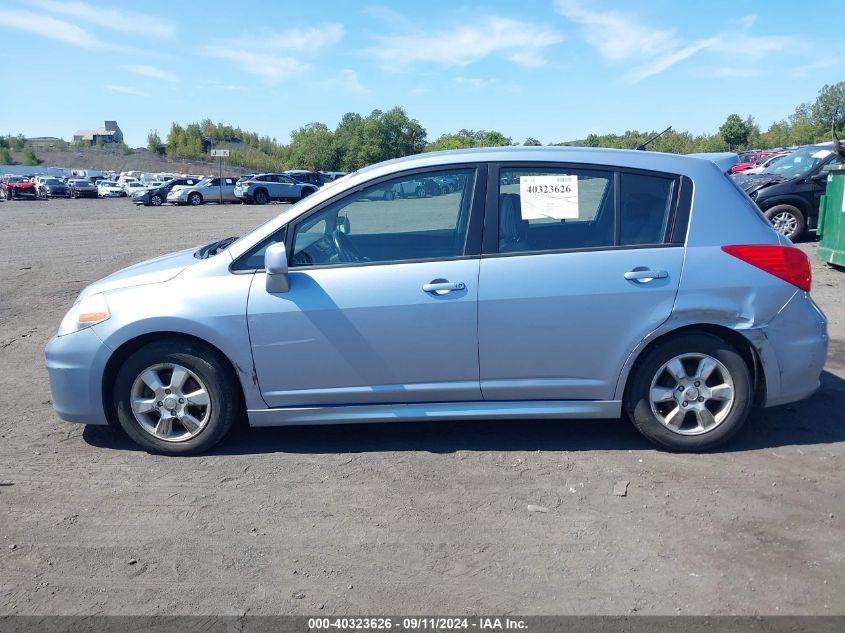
(635,159)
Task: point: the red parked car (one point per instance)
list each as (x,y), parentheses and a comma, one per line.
(18,187)
(751,159)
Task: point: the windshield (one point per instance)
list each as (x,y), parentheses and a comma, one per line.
(51,181)
(799,162)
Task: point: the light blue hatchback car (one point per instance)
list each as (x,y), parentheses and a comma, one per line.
(550,283)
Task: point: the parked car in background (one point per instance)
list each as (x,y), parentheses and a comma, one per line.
(487,305)
(156,196)
(310,177)
(82,189)
(18,187)
(133,187)
(264,188)
(53,188)
(752,161)
(110,189)
(789,190)
(334,175)
(761,166)
(208,190)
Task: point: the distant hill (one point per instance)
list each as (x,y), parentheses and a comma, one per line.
(111,159)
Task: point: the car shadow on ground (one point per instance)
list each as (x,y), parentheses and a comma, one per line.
(817,420)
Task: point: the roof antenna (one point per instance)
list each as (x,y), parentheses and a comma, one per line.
(641,147)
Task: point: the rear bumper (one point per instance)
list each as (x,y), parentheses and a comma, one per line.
(75,365)
(794,350)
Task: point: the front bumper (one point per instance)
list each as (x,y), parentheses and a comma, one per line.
(75,365)
(57,194)
(85,194)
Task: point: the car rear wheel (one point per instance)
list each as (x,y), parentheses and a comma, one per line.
(420,191)
(194,199)
(689,393)
(305,193)
(176,398)
(260,197)
(787,220)
(156,200)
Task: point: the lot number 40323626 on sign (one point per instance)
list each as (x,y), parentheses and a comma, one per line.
(549,197)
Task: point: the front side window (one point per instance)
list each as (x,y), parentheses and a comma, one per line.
(393,221)
(550,209)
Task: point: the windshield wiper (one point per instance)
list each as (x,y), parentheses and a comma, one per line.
(204,252)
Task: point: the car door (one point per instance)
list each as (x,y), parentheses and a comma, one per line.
(581,264)
(382,304)
(287,188)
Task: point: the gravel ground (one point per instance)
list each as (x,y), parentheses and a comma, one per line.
(427,518)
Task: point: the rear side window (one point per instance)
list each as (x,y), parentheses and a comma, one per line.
(551,209)
(554,209)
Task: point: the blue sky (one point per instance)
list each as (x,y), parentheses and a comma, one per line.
(554,69)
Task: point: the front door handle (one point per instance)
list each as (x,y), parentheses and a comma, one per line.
(443,286)
(645,275)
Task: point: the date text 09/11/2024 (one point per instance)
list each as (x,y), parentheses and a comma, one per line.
(417,623)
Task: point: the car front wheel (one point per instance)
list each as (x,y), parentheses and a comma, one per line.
(194,199)
(156,200)
(176,398)
(690,393)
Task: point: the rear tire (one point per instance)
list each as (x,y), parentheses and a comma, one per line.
(654,399)
(420,191)
(260,197)
(787,220)
(211,375)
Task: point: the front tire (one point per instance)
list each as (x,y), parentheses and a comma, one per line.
(689,393)
(787,220)
(156,200)
(176,398)
(195,199)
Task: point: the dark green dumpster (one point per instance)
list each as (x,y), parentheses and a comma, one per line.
(831,227)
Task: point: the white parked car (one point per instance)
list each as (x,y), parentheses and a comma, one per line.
(110,189)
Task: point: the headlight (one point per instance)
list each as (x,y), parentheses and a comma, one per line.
(87,312)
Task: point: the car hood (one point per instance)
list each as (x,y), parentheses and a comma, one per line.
(754,182)
(152,271)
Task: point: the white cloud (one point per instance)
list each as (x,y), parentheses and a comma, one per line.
(475,82)
(123,20)
(617,35)
(347,82)
(806,69)
(152,72)
(266,54)
(47,26)
(621,36)
(127,90)
(305,39)
(268,66)
(519,41)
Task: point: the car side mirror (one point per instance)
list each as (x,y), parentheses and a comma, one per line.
(819,177)
(276,265)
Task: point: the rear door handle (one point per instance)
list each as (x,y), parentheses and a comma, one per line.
(442,286)
(645,275)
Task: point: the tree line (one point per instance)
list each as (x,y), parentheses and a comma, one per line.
(360,140)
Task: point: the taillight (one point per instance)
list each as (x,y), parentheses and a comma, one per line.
(785,262)
(246,184)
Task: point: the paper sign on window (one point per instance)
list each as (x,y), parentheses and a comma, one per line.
(549,197)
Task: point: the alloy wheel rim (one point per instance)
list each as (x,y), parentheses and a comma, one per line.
(692,394)
(170,402)
(785,223)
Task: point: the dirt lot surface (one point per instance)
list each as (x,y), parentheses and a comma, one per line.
(427,518)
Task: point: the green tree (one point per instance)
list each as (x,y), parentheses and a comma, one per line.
(5,156)
(734,131)
(29,157)
(830,102)
(154,143)
(99,142)
(533,142)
